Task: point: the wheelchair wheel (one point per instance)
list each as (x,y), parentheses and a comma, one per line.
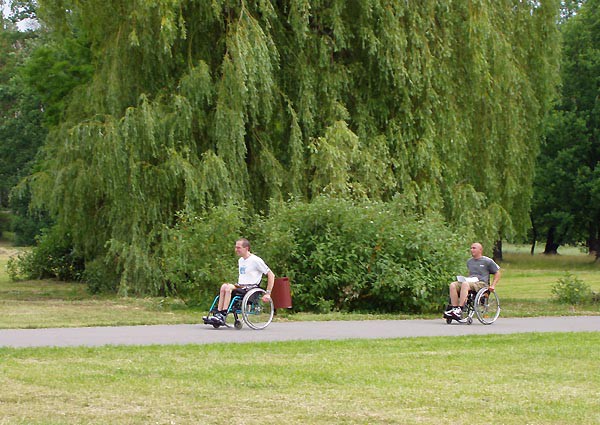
(487,306)
(256,313)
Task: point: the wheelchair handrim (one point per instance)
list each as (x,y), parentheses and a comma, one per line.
(256,313)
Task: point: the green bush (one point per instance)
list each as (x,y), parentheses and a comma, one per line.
(101,277)
(199,252)
(360,256)
(572,290)
(52,257)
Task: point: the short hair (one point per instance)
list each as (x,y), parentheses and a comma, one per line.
(245,242)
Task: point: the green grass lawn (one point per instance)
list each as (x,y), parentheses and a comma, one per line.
(525,290)
(513,379)
(532,277)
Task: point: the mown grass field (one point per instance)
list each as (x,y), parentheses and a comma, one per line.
(514,379)
(525,290)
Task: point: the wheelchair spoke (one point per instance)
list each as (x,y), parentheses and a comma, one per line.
(487,306)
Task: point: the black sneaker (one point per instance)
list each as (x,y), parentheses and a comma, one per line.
(219,318)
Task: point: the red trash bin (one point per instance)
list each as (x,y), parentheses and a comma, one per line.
(281,293)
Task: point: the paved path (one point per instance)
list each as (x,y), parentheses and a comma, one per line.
(203,334)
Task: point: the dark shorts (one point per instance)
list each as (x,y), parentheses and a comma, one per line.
(241,290)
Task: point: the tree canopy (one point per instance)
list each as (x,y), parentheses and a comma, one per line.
(195,104)
(567,201)
(21,113)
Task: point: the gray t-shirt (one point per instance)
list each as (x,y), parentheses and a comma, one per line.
(482,268)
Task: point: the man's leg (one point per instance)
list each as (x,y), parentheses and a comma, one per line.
(458,296)
(464,293)
(454,291)
(224,299)
(225,296)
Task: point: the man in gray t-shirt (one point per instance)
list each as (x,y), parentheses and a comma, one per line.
(480,267)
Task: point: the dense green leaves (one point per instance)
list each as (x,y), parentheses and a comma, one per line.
(567,203)
(38,73)
(53,258)
(346,255)
(195,104)
(340,254)
(21,114)
(21,126)
(53,71)
(199,251)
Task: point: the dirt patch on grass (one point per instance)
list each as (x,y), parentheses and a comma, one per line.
(6,253)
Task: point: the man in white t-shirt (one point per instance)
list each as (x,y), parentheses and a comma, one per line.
(251,270)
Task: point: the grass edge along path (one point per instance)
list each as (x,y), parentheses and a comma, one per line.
(549,378)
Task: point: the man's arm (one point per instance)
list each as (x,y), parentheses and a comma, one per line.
(496,280)
(270,281)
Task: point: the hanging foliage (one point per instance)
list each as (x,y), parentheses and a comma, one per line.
(195,104)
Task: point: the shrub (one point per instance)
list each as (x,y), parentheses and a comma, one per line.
(198,253)
(52,257)
(572,290)
(101,277)
(357,256)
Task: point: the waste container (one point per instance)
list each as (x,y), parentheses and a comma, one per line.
(282,294)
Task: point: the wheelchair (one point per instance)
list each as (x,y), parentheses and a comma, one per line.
(255,313)
(484,304)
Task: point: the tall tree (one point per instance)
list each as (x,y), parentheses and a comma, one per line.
(21,133)
(567,207)
(37,75)
(194,104)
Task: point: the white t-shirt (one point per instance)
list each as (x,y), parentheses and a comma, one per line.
(251,270)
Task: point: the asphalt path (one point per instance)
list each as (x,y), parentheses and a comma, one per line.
(285,331)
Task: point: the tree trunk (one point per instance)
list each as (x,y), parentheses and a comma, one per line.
(551,245)
(497,255)
(593,244)
(533,238)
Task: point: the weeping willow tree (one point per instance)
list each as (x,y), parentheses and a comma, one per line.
(199,103)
